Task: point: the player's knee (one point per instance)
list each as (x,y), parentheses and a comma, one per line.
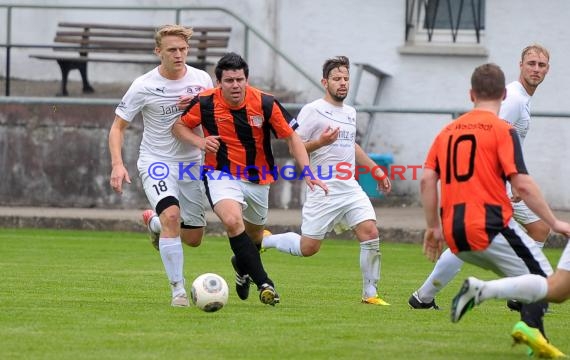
(556,296)
(373,233)
(308,251)
(544,232)
(191,236)
(192,241)
(538,231)
(558,287)
(367,230)
(232,222)
(559,293)
(170,218)
(310,247)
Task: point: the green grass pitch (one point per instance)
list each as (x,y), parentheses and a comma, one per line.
(104,295)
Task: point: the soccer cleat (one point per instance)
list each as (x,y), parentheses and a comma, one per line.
(242,281)
(514,305)
(416,303)
(268,295)
(523,334)
(147,216)
(266,233)
(374,300)
(180,300)
(466,299)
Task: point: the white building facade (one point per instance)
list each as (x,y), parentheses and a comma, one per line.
(432,76)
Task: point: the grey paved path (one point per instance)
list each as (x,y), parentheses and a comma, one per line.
(398,224)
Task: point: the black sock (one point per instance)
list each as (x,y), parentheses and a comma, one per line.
(532,315)
(248,259)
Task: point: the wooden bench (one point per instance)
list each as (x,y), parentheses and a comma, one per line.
(125,44)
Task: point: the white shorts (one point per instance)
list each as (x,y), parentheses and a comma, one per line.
(511,253)
(521,213)
(188,192)
(564,262)
(253,197)
(322,214)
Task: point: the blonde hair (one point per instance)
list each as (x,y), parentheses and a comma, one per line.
(172,30)
(539,49)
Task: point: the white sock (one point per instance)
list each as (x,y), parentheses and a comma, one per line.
(539,244)
(525,288)
(288,242)
(154,225)
(370,267)
(173,259)
(178,288)
(445,269)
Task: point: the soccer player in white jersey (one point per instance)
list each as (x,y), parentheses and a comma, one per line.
(515,109)
(159,96)
(328,128)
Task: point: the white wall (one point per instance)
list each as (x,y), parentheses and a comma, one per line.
(38,26)
(372,32)
(367,31)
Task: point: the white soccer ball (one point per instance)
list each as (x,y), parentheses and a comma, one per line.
(209,292)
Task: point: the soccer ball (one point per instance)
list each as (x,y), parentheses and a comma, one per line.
(209,292)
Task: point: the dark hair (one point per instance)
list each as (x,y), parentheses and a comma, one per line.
(488,82)
(334,63)
(231,61)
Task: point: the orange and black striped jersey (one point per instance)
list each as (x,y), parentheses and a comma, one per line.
(474,156)
(244,132)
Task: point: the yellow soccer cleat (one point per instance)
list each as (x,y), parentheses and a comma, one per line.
(524,334)
(374,300)
(266,233)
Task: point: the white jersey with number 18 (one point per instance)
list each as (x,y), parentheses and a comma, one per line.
(156,98)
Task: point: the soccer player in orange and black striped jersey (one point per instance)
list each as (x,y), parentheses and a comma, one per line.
(243,130)
(237,120)
(472,158)
(472,165)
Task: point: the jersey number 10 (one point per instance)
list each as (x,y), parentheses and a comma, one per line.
(461,149)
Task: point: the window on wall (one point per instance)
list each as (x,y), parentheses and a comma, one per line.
(448,26)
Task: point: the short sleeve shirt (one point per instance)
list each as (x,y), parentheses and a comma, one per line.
(474,155)
(156,98)
(245,132)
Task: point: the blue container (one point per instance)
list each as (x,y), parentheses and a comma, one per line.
(368,183)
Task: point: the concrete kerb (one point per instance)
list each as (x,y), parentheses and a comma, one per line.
(396,224)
